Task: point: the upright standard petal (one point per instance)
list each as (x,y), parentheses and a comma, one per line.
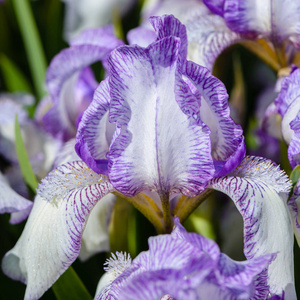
(260,190)
(54,229)
(94,132)
(11,202)
(227,142)
(156,145)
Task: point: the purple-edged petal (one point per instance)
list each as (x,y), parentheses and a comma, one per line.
(227,142)
(294,147)
(11,202)
(288,104)
(216,6)
(208,36)
(156,145)
(84,52)
(276,20)
(54,229)
(260,191)
(185,265)
(75,95)
(168,25)
(294,206)
(95,133)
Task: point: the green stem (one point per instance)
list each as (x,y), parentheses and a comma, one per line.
(168,220)
(33,45)
(143,206)
(190,204)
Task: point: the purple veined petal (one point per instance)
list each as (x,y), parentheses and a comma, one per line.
(156,145)
(208,36)
(11,202)
(288,91)
(216,6)
(260,190)
(95,133)
(227,142)
(71,60)
(288,104)
(168,25)
(141,36)
(95,236)
(198,241)
(294,207)
(276,20)
(182,266)
(54,229)
(75,95)
(294,147)
(248,17)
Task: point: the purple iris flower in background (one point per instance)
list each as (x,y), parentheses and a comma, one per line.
(158,132)
(184,265)
(41,149)
(268,28)
(275,25)
(71,82)
(287,104)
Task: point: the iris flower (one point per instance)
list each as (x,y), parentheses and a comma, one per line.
(269,28)
(158,132)
(183,265)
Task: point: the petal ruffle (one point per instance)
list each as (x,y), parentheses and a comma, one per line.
(227,142)
(156,145)
(260,191)
(188,266)
(94,132)
(51,239)
(91,46)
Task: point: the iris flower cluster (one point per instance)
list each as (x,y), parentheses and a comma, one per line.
(157,132)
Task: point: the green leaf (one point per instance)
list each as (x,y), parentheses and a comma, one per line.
(14,79)
(70,287)
(25,165)
(33,45)
(295,175)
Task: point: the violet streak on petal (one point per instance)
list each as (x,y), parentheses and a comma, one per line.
(53,232)
(260,190)
(227,142)
(185,265)
(93,136)
(156,145)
